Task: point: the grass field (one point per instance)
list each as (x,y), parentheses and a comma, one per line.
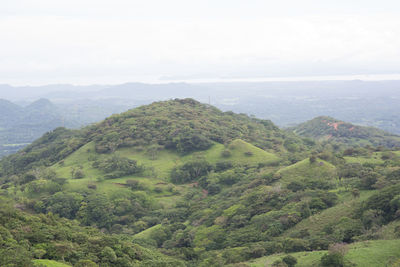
(317,222)
(158,168)
(50,263)
(384,252)
(305,170)
(375,158)
(155,179)
(146,233)
(241,153)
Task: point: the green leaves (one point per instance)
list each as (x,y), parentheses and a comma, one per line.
(116,166)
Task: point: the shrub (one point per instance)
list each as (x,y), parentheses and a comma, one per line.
(223,166)
(92,186)
(158,189)
(133,184)
(213,188)
(189,141)
(346,229)
(279,263)
(335,256)
(289,260)
(332,260)
(85,263)
(234,255)
(294,245)
(295,186)
(190,171)
(116,166)
(77,173)
(226,153)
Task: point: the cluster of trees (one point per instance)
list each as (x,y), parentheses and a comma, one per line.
(24,237)
(190,171)
(111,213)
(116,166)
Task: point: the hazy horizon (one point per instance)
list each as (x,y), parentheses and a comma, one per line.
(170,80)
(104,42)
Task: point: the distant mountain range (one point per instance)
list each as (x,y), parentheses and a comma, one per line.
(20,125)
(369,103)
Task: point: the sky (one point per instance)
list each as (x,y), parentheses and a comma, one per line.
(117,41)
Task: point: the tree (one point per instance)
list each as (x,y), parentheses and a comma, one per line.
(133,184)
(355,193)
(332,260)
(335,256)
(65,204)
(96,210)
(190,171)
(279,263)
(289,260)
(63,249)
(108,255)
(77,172)
(313,159)
(116,166)
(85,263)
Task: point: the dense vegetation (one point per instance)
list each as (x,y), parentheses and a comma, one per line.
(183,125)
(182,183)
(24,237)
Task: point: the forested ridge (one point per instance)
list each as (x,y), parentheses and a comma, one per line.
(180,183)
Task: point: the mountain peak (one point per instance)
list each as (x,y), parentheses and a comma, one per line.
(181,124)
(42,102)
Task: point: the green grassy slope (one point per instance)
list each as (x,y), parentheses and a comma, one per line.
(50,263)
(158,167)
(316,223)
(306,170)
(376,253)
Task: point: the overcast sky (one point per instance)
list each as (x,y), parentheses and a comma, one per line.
(117,41)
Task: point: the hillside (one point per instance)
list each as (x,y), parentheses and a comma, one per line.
(304,171)
(192,185)
(359,255)
(329,129)
(183,126)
